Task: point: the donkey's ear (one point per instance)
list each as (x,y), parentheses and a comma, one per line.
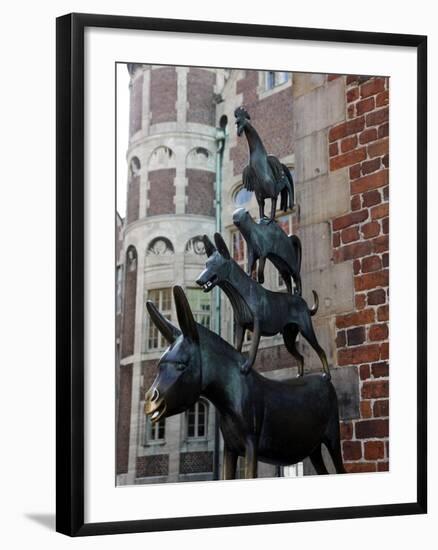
(209,246)
(221,246)
(185,315)
(169,331)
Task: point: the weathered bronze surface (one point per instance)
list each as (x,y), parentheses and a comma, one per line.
(265,174)
(276,422)
(269,241)
(257,309)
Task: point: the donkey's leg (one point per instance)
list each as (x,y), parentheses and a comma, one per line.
(332,440)
(290,334)
(254,347)
(239,336)
(261,270)
(306,329)
(250,459)
(318,462)
(230,463)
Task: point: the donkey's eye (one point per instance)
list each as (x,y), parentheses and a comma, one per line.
(180,366)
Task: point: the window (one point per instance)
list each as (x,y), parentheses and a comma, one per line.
(242,196)
(155,433)
(200,304)
(162,300)
(119,286)
(197,421)
(275,78)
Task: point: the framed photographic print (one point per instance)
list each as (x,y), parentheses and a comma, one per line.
(241,274)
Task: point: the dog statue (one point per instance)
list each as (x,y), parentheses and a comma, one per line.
(257,309)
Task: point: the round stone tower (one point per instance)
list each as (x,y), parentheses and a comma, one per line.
(171,162)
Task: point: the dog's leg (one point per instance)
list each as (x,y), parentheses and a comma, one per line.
(251,262)
(297,281)
(273,208)
(254,347)
(239,336)
(230,463)
(250,459)
(261,270)
(306,329)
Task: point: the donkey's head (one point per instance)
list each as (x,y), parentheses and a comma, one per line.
(177,385)
(218,264)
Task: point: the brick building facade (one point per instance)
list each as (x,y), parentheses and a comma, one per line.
(332,133)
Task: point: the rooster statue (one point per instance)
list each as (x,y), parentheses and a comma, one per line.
(265,175)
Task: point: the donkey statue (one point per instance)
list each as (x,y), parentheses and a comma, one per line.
(280,423)
(257,309)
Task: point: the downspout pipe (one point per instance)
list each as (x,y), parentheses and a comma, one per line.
(220,144)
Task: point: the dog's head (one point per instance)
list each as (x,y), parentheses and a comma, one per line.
(218,264)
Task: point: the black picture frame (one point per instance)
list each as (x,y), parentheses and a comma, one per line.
(70,273)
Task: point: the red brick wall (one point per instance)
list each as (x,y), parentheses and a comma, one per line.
(200,89)
(271,116)
(163,95)
(362,237)
(161,192)
(136,107)
(133,206)
(124,420)
(129,309)
(200,192)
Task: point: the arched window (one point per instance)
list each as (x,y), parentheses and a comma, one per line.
(275,78)
(241,196)
(161,157)
(195,246)
(155,433)
(197,421)
(160,246)
(162,300)
(134,166)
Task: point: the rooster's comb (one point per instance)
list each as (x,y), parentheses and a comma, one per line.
(240,112)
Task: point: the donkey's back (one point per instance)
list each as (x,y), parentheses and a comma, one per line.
(296,416)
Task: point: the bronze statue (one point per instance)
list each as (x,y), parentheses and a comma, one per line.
(269,241)
(257,309)
(279,423)
(265,174)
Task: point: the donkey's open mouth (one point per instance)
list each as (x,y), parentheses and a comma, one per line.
(155,409)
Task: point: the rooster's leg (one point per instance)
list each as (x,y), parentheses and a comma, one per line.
(261,208)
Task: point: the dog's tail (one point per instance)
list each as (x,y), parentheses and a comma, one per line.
(315,306)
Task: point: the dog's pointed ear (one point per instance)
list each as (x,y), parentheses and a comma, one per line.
(185,315)
(169,331)
(221,246)
(209,246)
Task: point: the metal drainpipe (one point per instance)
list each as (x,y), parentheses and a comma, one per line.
(220,142)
